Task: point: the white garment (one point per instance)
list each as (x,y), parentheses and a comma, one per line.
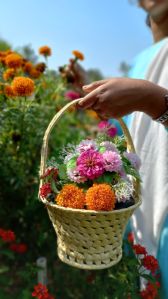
(151,144)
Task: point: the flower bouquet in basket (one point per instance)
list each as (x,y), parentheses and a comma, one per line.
(90,191)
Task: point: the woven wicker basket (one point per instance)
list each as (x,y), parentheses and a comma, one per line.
(88,239)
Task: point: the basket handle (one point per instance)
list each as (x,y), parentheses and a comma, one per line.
(44,151)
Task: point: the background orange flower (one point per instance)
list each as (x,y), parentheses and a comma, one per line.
(14,60)
(78,54)
(45,50)
(23,86)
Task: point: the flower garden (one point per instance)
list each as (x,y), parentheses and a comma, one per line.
(88,168)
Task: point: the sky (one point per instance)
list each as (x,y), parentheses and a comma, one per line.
(107,32)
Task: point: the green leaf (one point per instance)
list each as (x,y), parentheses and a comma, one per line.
(102,149)
(8,253)
(62,172)
(4,269)
(53,186)
(71,163)
(149,277)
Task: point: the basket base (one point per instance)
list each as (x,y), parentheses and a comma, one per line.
(64,258)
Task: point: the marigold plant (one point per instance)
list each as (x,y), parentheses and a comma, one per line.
(23,86)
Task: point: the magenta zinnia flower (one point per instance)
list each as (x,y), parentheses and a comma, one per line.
(112,131)
(108,128)
(72,95)
(112,161)
(90,164)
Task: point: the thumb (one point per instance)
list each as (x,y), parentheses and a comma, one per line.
(94,85)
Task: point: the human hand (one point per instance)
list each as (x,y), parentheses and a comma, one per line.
(116,97)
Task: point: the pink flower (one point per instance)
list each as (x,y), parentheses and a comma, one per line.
(134,159)
(75,176)
(104,124)
(123,174)
(112,131)
(109,146)
(86,145)
(109,129)
(72,95)
(112,161)
(90,164)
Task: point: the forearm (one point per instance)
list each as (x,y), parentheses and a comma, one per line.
(154,102)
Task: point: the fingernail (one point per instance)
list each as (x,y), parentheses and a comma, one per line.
(86,86)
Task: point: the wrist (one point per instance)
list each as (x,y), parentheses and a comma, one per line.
(154,102)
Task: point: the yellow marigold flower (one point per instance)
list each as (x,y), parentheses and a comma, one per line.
(9,91)
(14,60)
(92,114)
(23,86)
(100,197)
(78,55)
(9,74)
(71,197)
(45,50)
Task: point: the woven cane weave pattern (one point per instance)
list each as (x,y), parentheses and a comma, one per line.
(89,240)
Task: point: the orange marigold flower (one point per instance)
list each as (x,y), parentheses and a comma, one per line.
(78,55)
(27,67)
(23,86)
(40,67)
(100,197)
(13,60)
(9,74)
(45,50)
(9,91)
(71,197)
(35,74)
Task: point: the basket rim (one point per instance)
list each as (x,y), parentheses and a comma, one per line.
(84,211)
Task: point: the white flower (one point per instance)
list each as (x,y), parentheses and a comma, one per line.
(123,190)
